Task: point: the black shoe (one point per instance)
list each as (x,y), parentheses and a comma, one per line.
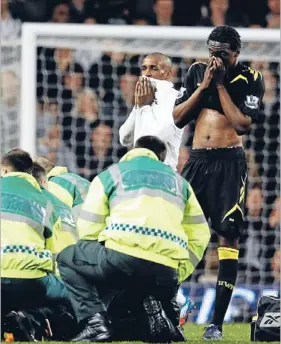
(97,329)
(161,329)
(18,325)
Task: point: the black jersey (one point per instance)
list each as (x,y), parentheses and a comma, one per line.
(244,85)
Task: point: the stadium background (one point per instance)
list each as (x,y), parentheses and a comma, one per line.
(83,97)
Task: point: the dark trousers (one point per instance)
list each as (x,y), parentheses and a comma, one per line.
(18,293)
(91,272)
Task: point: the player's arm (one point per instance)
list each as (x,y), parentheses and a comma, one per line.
(240,117)
(190,97)
(126,132)
(92,218)
(197,230)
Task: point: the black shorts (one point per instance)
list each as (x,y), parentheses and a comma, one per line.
(219,179)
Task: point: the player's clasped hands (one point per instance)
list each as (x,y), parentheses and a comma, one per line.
(215,70)
(220,71)
(144,92)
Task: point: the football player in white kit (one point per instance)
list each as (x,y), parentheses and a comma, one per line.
(152,114)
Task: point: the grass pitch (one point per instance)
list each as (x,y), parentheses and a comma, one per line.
(233,333)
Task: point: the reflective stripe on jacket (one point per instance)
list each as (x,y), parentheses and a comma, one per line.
(70,188)
(143,208)
(65,235)
(27,225)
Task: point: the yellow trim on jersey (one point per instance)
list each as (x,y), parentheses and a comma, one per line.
(240,76)
(228,253)
(255,73)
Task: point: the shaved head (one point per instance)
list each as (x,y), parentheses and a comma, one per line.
(157,66)
(163,58)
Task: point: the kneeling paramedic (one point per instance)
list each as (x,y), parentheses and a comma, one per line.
(141,228)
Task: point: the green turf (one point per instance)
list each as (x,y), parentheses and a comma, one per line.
(234,333)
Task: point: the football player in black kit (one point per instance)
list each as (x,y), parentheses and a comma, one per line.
(224,97)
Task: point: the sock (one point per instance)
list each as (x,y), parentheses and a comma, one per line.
(228,268)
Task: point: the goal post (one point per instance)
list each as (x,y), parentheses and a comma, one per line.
(189,42)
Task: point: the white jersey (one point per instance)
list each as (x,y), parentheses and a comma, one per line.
(155,120)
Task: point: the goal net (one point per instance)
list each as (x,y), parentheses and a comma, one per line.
(77,85)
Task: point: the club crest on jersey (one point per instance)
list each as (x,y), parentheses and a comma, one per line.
(252,102)
(181,92)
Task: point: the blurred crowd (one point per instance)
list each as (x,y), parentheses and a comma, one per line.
(83,97)
(238,13)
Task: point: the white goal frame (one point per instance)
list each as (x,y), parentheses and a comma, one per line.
(31,31)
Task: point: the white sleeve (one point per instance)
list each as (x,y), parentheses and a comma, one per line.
(126,132)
